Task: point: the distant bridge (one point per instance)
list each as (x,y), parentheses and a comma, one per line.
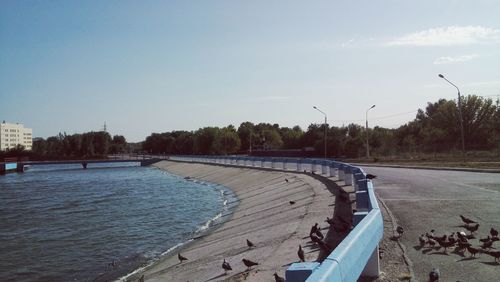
(144,160)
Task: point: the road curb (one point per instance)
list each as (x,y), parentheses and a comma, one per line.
(481,170)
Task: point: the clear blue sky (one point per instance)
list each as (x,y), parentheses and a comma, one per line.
(156,66)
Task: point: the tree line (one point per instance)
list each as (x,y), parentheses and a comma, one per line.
(435,129)
(75,146)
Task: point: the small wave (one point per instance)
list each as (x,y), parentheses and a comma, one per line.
(141,269)
(209,223)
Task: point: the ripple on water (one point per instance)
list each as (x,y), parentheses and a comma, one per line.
(62,224)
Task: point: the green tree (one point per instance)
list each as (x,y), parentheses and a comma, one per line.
(227,141)
(271,138)
(246,133)
(478,115)
(291,137)
(204,140)
(118,144)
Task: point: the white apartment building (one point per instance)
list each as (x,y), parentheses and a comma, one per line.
(13,134)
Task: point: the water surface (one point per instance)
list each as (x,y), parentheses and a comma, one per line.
(63,223)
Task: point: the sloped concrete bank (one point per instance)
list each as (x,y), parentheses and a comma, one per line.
(264,216)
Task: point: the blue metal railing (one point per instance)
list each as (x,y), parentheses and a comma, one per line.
(358,253)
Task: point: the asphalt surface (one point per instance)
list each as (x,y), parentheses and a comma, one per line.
(421,200)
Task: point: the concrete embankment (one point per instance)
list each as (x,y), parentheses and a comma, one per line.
(264,216)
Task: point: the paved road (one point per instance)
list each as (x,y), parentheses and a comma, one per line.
(422,200)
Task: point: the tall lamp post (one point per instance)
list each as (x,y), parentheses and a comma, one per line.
(316,108)
(460,116)
(367,141)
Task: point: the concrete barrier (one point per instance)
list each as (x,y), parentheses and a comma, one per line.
(358,253)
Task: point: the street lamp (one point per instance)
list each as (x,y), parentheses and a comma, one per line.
(314,107)
(367,143)
(460,116)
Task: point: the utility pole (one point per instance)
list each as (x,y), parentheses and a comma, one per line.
(367,142)
(460,116)
(251,133)
(316,108)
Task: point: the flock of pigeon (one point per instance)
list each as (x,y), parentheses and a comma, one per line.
(462,243)
(248,263)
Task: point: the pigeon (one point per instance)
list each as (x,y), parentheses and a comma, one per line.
(248,263)
(470,236)
(487,245)
(431,242)
(471,228)
(329,220)
(141,279)
(493,232)
(292,202)
(473,251)
(370,176)
(400,230)
(421,239)
(495,254)
(315,238)
(434,275)
(313,229)
(442,238)
(226,266)
(484,240)
(249,244)
(277,278)
(300,252)
(286,180)
(462,236)
(446,244)
(319,234)
(467,220)
(462,246)
(181,258)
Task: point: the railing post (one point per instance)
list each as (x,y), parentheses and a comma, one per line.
(299,165)
(348,175)
(357,176)
(332,169)
(372,267)
(341,168)
(324,167)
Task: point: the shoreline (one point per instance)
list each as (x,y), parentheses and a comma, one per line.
(209,226)
(264,216)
